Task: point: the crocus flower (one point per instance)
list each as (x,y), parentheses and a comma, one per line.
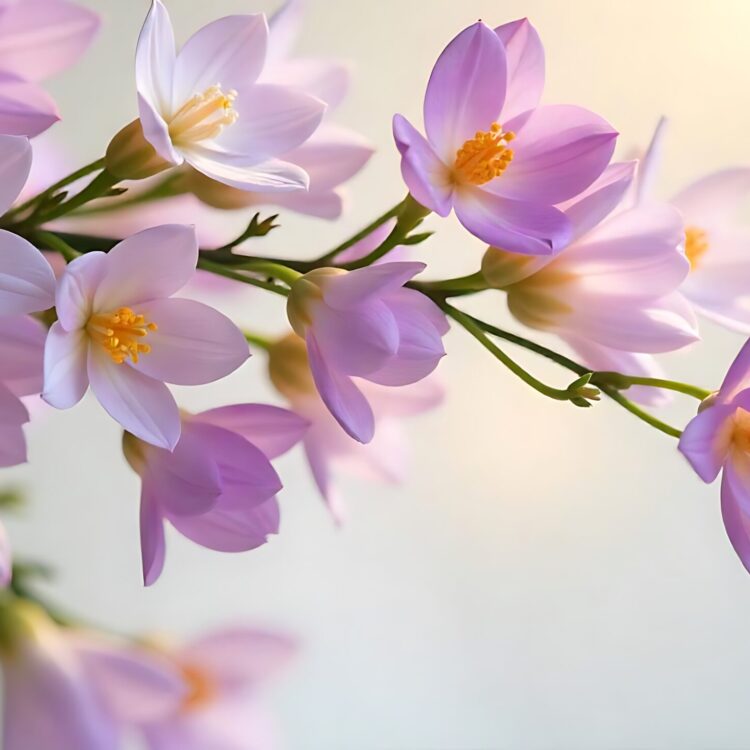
(717,441)
(38,39)
(327,447)
(492,153)
(120,331)
(217,487)
(611,293)
(204,106)
(65,689)
(364,323)
(716,241)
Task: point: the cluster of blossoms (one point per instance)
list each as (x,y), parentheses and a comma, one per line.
(232,121)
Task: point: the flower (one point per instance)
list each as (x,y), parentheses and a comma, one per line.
(327,448)
(364,323)
(204,106)
(217,487)
(492,153)
(225,672)
(38,39)
(716,242)
(717,440)
(120,331)
(65,689)
(612,292)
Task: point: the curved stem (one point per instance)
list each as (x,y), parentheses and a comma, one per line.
(220,270)
(270,268)
(650,419)
(622,382)
(53,242)
(474,282)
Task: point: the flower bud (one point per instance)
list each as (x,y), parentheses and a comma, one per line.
(305,292)
(288,367)
(501,268)
(131,157)
(21,621)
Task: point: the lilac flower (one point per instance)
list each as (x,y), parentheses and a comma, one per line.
(327,447)
(364,323)
(492,153)
(217,487)
(611,294)
(120,331)
(717,441)
(65,689)
(204,106)
(38,39)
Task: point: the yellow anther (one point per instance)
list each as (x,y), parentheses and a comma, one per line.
(696,244)
(119,333)
(203,116)
(485,156)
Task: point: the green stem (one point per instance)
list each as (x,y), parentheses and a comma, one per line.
(163,189)
(220,270)
(474,282)
(274,270)
(622,382)
(255,339)
(616,396)
(53,242)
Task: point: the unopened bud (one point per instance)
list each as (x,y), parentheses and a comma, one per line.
(304,292)
(289,368)
(131,157)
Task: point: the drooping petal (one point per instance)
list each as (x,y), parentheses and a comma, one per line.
(525,61)
(735,500)
(272,429)
(74,296)
(15,164)
(714,199)
(27,282)
(426,176)
(229,51)
(22,339)
(364,284)
(344,400)
(559,151)
(66,377)
(153,543)
(149,265)
(517,226)
(142,405)
(706,440)
(466,90)
(25,107)
(193,344)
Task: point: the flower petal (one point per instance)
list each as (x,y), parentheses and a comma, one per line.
(466,89)
(155,60)
(344,400)
(74,297)
(738,376)
(27,282)
(66,378)
(714,199)
(12,445)
(707,440)
(22,339)
(142,405)
(284,28)
(328,80)
(193,344)
(735,499)
(650,163)
(363,284)
(25,108)
(15,164)
(153,543)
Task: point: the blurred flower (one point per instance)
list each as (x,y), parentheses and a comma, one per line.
(217,487)
(364,323)
(204,106)
(38,39)
(717,439)
(327,447)
(492,153)
(120,331)
(611,294)
(65,689)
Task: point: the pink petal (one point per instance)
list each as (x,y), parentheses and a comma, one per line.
(74,297)
(156,132)
(142,405)
(15,164)
(466,89)
(22,341)
(525,60)
(738,376)
(284,28)
(12,410)
(12,445)
(707,440)
(319,460)
(66,378)
(649,165)
(367,244)
(155,60)
(714,199)
(193,344)
(328,80)
(229,51)
(25,108)
(344,400)
(147,266)
(270,428)
(517,226)
(558,152)
(735,499)
(365,284)
(153,543)
(327,204)
(27,282)
(426,176)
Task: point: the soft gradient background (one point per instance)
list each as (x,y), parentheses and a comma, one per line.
(549,577)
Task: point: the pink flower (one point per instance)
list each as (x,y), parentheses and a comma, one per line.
(204,106)
(364,323)
(327,447)
(120,331)
(38,39)
(65,689)
(718,440)
(492,153)
(217,487)
(611,294)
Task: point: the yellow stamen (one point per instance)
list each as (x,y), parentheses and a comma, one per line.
(119,333)
(203,116)
(201,689)
(484,157)
(696,244)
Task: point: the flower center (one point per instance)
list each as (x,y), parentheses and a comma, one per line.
(696,245)
(485,156)
(201,689)
(120,333)
(203,116)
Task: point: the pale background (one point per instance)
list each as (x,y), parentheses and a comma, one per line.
(548,577)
